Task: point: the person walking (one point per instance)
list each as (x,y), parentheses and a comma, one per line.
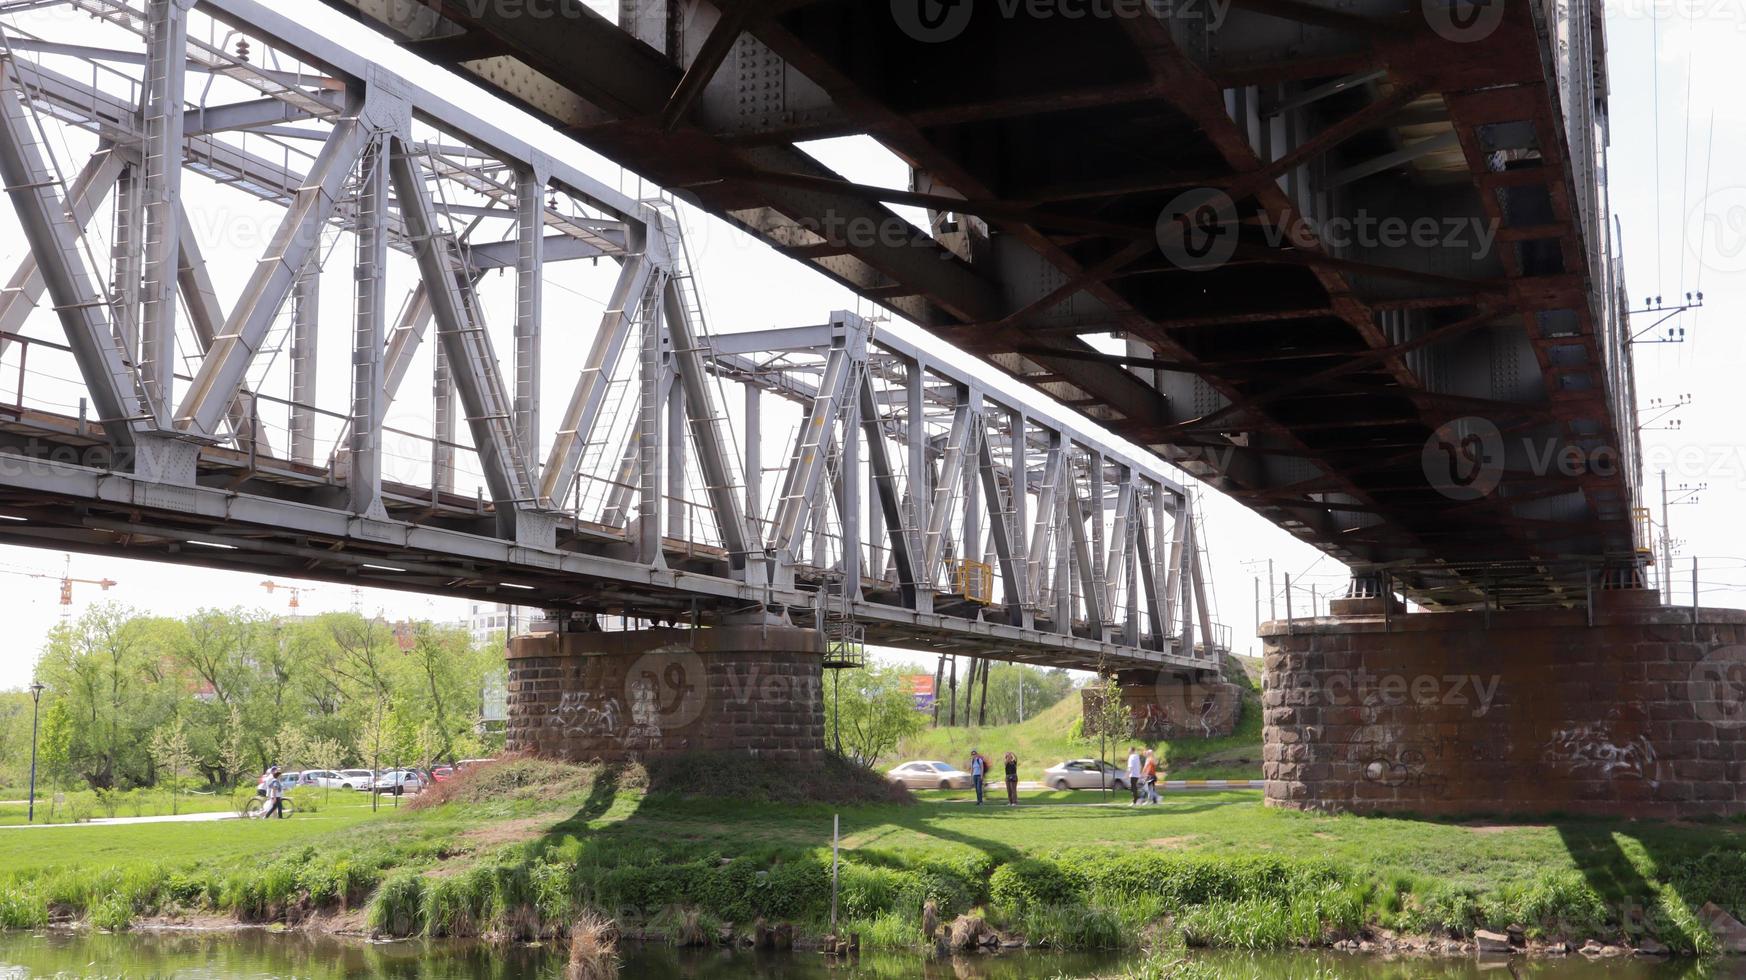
(275,796)
(1011,779)
(978,773)
(1134,773)
(1150,772)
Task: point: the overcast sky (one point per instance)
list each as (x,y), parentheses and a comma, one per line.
(1678,189)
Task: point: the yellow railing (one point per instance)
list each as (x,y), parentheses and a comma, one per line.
(974,580)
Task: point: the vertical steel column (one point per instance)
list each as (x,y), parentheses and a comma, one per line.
(442,457)
(369,333)
(849,482)
(972,529)
(166,61)
(125,253)
(754,452)
(678,508)
(529,308)
(1047,519)
(305,333)
(649,403)
(958,442)
(1063,553)
(915,376)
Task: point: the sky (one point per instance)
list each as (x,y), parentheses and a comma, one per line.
(1677,179)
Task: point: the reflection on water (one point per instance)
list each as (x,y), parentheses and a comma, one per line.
(262,954)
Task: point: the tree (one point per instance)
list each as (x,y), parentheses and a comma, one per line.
(1114,720)
(232,759)
(169,748)
(872,710)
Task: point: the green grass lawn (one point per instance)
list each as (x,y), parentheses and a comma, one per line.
(214,842)
(1047,739)
(612,843)
(139,804)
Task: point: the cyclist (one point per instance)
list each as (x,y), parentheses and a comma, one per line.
(275,795)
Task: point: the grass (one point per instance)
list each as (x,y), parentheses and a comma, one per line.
(1050,737)
(532,846)
(134,803)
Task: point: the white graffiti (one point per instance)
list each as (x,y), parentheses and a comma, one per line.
(645,708)
(581,713)
(1594,750)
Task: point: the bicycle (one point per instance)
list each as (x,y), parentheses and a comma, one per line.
(258,806)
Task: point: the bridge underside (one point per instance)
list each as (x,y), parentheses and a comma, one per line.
(1321,372)
(913,504)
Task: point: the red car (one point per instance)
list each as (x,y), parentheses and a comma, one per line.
(441,774)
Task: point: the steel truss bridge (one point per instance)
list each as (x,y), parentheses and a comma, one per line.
(165,400)
(1304,375)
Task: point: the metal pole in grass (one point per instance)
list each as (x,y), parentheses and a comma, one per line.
(836,832)
(35,703)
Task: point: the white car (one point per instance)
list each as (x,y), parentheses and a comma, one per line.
(930,775)
(398,781)
(357,779)
(1085,774)
(323,779)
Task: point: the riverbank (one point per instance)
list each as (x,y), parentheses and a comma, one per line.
(519,849)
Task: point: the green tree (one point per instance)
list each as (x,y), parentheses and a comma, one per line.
(169,748)
(869,711)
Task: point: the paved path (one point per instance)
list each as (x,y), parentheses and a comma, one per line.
(118,821)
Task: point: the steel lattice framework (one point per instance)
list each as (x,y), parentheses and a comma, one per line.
(1304,375)
(915,501)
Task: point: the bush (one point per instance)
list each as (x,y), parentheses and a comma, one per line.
(22,907)
(1032,883)
(398,906)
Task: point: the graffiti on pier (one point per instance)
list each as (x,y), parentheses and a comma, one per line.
(1595,751)
(588,715)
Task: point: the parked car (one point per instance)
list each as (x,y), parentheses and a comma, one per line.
(322,779)
(1084,774)
(441,774)
(399,781)
(930,775)
(357,779)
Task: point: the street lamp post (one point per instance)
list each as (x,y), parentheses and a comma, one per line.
(35,703)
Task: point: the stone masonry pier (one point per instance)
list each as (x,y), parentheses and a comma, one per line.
(634,695)
(1640,713)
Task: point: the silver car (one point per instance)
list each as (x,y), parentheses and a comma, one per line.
(1084,774)
(930,775)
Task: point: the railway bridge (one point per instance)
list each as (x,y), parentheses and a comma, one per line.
(1350,264)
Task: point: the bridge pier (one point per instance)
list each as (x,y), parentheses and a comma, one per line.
(1171,704)
(633,695)
(1634,710)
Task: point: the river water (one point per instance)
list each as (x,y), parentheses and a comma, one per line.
(255,953)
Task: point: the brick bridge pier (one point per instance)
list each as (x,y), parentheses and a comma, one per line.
(642,694)
(1639,710)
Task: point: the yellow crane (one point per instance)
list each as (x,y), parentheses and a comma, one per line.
(295,590)
(67,582)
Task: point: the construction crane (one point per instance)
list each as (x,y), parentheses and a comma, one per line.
(295,590)
(67,582)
